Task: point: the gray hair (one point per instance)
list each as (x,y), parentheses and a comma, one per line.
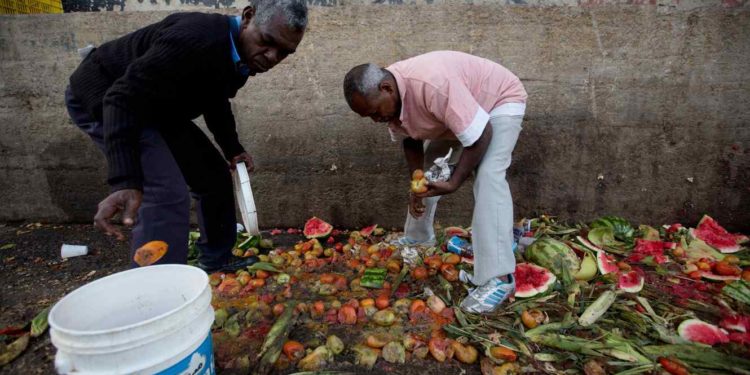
(293,11)
(363,80)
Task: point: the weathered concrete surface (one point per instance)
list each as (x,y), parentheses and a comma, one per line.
(193,5)
(632,111)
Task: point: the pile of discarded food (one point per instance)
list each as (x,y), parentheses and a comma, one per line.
(601,298)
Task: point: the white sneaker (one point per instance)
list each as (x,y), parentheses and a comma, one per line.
(489,296)
(466,278)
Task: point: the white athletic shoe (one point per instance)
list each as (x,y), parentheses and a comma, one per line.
(488,297)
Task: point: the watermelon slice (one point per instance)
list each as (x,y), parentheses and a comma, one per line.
(645,248)
(740,337)
(696,330)
(712,276)
(588,268)
(588,244)
(606,263)
(456,231)
(715,235)
(631,282)
(736,323)
(532,280)
(316,228)
(367,231)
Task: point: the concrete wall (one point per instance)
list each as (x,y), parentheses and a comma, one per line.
(633,111)
(192,5)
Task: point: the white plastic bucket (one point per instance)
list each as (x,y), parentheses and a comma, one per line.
(149,320)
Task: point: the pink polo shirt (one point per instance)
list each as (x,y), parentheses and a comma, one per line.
(450,95)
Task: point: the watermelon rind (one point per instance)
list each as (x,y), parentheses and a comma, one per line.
(316,228)
(699,249)
(553,255)
(526,290)
(626,286)
(623,231)
(588,268)
(696,330)
(588,244)
(715,235)
(605,264)
(712,276)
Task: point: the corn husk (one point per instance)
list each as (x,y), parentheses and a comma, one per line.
(597,308)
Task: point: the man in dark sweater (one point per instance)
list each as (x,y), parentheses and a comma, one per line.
(136,97)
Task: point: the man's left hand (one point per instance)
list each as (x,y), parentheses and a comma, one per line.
(243,157)
(438,188)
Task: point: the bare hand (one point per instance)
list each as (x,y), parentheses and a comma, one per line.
(126,201)
(416,206)
(243,157)
(438,188)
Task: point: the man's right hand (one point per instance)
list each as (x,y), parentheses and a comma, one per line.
(128,201)
(416,206)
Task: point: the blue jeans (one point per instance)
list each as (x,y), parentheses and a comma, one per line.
(174,157)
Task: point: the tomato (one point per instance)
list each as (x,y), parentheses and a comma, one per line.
(293,350)
(367,302)
(449,272)
(229,287)
(352,302)
(419,273)
(318,308)
(417,306)
(725,269)
(256,283)
(505,354)
(673,367)
(341,283)
(440,348)
(433,261)
(382,301)
(347,315)
(278,309)
(393,266)
(451,259)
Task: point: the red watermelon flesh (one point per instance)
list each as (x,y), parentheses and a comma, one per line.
(696,330)
(715,235)
(532,280)
(631,282)
(606,263)
(367,231)
(740,337)
(316,228)
(645,248)
(736,323)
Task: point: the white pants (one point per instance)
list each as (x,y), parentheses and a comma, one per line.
(492,221)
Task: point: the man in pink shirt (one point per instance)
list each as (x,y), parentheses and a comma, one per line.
(447,100)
